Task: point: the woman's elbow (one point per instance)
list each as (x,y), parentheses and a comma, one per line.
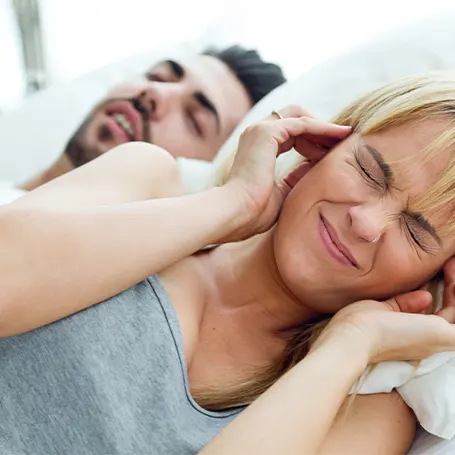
(155,167)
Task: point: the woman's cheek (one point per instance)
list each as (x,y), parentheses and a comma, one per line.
(344,181)
(400,269)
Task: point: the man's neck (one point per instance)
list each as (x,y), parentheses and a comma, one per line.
(60,167)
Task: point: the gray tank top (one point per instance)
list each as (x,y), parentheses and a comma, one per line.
(108,380)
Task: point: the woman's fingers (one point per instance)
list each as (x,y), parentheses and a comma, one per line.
(448,314)
(411,302)
(325,142)
(324,135)
(448,301)
(297,132)
(293,110)
(449,283)
(311,151)
(304,129)
(320,130)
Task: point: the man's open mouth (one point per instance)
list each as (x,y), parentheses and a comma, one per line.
(125,124)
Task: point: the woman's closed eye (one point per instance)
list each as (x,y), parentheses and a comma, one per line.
(417,234)
(370,171)
(374,177)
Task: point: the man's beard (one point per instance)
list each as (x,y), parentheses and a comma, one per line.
(77,149)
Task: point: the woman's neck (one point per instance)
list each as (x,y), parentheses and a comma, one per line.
(244,281)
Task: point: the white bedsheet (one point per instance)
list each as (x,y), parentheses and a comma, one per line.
(428,444)
(8,193)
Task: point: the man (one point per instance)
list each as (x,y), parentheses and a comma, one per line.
(188,107)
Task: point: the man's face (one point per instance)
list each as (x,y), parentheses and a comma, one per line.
(187,107)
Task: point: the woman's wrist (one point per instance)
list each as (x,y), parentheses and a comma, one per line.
(241,212)
(345,341)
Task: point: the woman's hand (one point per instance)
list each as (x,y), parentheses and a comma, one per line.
(252,174)
(448,301)
(393,330)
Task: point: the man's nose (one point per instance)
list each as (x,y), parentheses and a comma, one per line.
(368,221)
(161,98)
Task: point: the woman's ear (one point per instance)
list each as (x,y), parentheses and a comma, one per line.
(297,174)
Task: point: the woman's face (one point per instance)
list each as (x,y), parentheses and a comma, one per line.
(348,231)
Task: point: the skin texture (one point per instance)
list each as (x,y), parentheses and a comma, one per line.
(169,115)
(302,279)
(359,211)
(231,302)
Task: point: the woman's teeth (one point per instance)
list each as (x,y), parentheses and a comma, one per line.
(125,124)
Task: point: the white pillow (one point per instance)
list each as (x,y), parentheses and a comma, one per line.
(32,136)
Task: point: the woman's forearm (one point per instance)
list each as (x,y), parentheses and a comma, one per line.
(295,414)
(56,261)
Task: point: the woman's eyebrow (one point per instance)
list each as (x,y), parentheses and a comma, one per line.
(389,179)
(425,224)
(385,168)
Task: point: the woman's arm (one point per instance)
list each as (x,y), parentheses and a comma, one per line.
(130,172)
(294,416)
(380,424)
(79,240)
(57,261)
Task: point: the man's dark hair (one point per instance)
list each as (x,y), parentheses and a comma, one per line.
(258,77)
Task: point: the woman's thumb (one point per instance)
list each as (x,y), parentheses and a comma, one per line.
(411,302)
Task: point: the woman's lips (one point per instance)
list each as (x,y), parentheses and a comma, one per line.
(332,244)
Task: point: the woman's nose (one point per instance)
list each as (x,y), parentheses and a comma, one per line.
(367,222)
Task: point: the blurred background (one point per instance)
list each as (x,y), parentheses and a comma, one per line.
(59,58)
(48,42)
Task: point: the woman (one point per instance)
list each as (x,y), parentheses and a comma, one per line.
(367,221)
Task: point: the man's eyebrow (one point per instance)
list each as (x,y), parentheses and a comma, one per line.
(207,104)
(176,68)
(179,72)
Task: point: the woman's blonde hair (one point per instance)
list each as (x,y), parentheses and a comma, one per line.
(408,100)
